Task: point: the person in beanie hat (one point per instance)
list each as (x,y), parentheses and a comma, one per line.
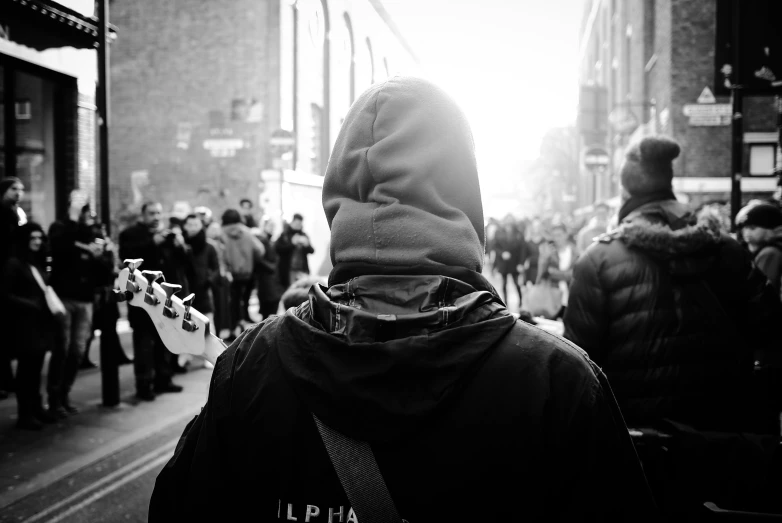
(411,350)
(761,228)
(672,308)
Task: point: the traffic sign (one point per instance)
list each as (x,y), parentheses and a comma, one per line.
(596,157)
(707,97)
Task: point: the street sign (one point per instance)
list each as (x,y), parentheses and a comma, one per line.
(709,120)
(223,147)
(707,97)
(596,157)
(282,138)
(693,110)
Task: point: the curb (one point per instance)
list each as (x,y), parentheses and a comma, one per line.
(57,473)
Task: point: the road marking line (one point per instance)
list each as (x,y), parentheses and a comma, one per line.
(105,479)
(111,488)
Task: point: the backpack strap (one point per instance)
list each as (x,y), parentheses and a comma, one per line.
(359,475)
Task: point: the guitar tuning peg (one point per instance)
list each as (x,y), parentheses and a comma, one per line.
(120,295)
(151,277)
(168,308)
(132,264)
(187,323)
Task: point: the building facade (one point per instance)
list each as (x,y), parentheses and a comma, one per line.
(653,63)
(48,74)
(199,91)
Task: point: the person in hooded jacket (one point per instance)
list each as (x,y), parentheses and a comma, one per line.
(470,414)
(676,315)
(761,228)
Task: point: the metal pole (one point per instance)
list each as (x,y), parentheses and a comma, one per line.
(737,123)
(109,355)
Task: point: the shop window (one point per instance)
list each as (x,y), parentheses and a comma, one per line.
(761,159)
(35,145)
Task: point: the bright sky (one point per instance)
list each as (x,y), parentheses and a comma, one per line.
(511,64)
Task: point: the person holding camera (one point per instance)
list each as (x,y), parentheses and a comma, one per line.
(162,250)
(77,262)
(293,246)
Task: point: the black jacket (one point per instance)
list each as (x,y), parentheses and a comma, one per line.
(269,286)
(27,312)
(137,242)
(287,251)
(672,311)
(76,273)
(472,415)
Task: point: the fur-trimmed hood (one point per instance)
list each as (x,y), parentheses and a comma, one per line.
(668,231)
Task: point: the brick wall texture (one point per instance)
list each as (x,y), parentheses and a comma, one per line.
(681,36)
(172,65)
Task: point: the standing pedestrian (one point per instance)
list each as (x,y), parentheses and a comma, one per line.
(269,290)
(672,309)
(23,283)
(11,194)
(77,263)
(508,248)
(293,246)
(204,267)
(597,225)
(146,239)
(243,252)
(761,229)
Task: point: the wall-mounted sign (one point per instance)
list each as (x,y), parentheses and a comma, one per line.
(708,115)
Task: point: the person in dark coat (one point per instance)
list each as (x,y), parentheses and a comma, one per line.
(78,262)
(471,414)
(269,287)
(204,267)
(508,246)
(293,246)
(675,313)
(761,228)
(34,324)
(11,193)
(160,249)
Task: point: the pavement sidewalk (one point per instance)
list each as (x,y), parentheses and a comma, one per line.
(30,460)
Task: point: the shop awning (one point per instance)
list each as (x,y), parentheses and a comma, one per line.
(44,24)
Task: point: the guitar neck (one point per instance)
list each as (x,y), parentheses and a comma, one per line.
(214,346)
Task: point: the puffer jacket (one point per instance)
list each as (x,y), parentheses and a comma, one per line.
(672,310)
(242,251)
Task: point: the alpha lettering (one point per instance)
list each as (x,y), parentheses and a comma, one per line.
(291,517)
(312,511)
(352,516)
(332,514)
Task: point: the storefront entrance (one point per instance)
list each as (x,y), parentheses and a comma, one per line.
(38,135)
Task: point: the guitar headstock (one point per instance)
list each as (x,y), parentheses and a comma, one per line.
(182,328)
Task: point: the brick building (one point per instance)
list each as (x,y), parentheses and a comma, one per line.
(654,60)
(48,74)
(198,88)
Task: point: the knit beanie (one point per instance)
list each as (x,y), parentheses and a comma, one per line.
(648,166)
(231,216)
(6,184)
(401,187)
(764,215)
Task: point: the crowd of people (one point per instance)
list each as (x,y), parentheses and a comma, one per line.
(57,290)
